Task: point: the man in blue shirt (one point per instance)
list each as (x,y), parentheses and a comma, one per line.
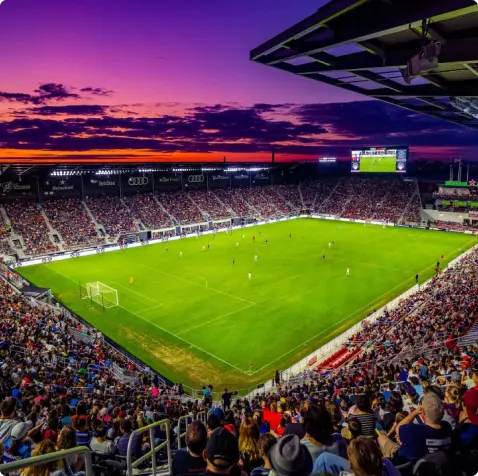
(422,439)
(126,428)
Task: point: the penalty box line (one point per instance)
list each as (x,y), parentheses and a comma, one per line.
(168,332)
(193,283)
(215,319)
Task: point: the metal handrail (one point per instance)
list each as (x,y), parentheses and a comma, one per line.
(48,458)
(186,419)
(132,465)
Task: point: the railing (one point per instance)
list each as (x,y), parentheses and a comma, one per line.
(15,466)
(201,416)
(133,465)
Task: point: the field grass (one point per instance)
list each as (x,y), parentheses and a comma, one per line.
(199,319)
(387,163)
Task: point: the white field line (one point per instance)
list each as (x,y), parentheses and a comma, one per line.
(192,282)
(151,308)
(136,292)
(167,332)
(216,319)
(197,276)
(355,312)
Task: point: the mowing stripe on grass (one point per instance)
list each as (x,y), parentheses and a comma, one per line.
(192,282)
(136,292)
(216,319)
(350,315)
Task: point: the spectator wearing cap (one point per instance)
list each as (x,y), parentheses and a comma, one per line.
(18,446)
(8,419)
(190,460)
(319,433)
(419,440)
(288,457)
(221,453)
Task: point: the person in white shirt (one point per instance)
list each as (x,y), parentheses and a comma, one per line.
(99,444)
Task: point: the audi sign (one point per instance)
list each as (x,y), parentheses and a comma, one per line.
(196,178)
(138,181)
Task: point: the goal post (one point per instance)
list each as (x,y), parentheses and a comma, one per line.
(100,293)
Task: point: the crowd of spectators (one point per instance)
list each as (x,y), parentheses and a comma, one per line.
(57,386)
(236,200)
(291,195)
(335,202)
(5,247)
(407,392)
(69,217)
(145,207)
(370,198)
(28,222)
(110,212)
(181,207)
(268,203)
(209,204)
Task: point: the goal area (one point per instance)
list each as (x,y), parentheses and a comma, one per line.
(100,293)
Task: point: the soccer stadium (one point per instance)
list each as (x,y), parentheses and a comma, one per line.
(206,289)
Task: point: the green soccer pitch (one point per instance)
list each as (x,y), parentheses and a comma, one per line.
(386,163)
(199,319)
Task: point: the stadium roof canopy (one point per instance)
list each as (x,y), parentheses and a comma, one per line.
(362,45)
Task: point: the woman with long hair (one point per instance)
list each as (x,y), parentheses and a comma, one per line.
(67,440)
(249,434)
(45,469)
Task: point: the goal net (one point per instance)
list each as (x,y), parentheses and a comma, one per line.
(102,294)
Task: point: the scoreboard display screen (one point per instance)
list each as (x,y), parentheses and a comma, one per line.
(380,160)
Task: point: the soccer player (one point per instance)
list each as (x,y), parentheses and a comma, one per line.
(330,244)
(180,254)
(267,241)
(290,235)
(253,237)
(167,249)
(333,243)
(347,272)
(237,244)
(131,280)
(208,245)
(249,276)
(243,236)
(255,258)
(441,257)
(203,247)
(233,260)
(323,255)
(416,278)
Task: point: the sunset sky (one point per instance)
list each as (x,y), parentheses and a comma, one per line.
(171,80)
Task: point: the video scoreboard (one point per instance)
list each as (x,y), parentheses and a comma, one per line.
(380,160)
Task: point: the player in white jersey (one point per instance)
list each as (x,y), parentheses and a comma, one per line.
(180,254)
(249,276)
(330,244)
(203,247)
(237,244)
(243,236)
(255,258)
(347,272)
